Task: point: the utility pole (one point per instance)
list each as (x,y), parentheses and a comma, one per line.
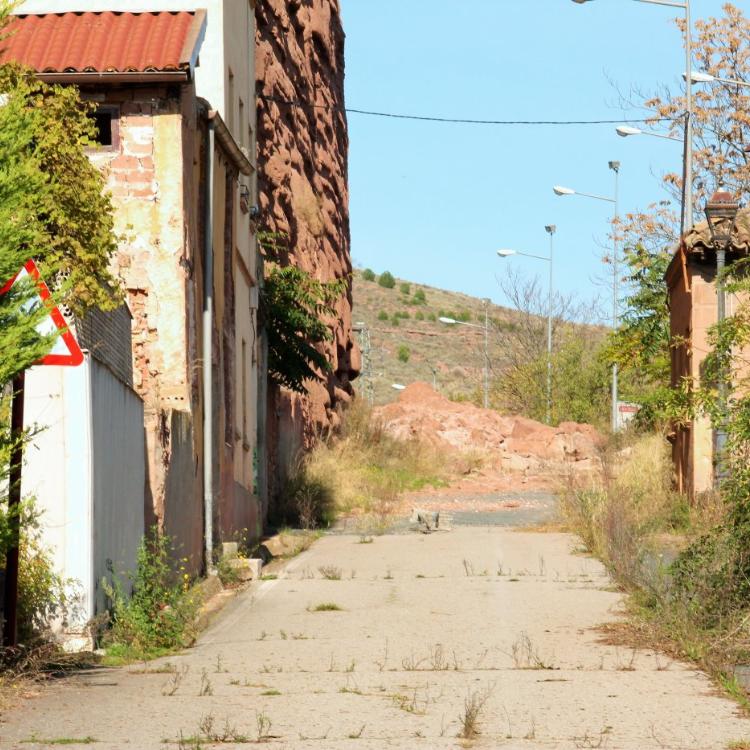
(486,353)
(550,229)
(615,167)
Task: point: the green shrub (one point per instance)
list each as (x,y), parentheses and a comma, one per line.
(395,320)
(368,274)
(386,280)
(432,317)
(405,288)
(382,315)
(420,298)
(306,501)
(403,314)
(419,315)
(403,353)
(159,614)
(465,316)
(41,591)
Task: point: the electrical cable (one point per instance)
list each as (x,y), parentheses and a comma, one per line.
(459,121)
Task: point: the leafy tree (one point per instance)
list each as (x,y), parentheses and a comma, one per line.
(419,298)
(52,209)
(405,288)
(386,280)
(295,307)
(368,274)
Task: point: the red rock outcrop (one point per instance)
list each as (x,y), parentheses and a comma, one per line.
(302,184)
(518,444)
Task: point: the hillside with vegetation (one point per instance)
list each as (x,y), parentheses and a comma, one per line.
(403,341)
(409,343)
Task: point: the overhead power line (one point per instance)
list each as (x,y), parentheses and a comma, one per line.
(459,120)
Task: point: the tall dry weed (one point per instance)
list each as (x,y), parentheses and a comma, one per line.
(362,469)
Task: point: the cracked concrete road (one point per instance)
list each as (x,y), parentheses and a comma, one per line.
(425,622)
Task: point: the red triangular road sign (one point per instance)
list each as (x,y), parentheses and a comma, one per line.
(65,350)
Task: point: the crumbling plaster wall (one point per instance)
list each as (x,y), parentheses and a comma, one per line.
(303,189)
(145,174)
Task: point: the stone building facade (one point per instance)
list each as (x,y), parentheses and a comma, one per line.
(304,197)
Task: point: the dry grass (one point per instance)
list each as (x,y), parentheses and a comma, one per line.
(364,471)
(632,516)
(638,526)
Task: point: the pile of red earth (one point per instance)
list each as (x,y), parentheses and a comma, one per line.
(518,444)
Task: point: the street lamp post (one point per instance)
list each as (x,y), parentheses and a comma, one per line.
(625,130)
(698,77)
(559,190)
(486,327)
(505,253)
(688,151)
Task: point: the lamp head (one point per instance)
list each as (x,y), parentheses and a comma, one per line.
(614,166)
(505,252)
(697,77)
(550,228)
(448,321)
(559,190)
(626,130)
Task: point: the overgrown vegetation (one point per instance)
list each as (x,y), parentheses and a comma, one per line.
(53,209)
(295,309)
(699,604)
(361,470)
(679,562)
(159,615)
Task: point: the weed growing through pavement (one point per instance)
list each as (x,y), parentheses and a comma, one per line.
(330,572)
(263,726)
(365,539)
(382,663)
(61,741)
(468,568)
(388,576)
(172,685)
(206,687)
(356,735)
(270,692)
(473,707)
(325,607)
(526,656)
(220,669)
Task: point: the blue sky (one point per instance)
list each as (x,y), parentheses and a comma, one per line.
(433,202)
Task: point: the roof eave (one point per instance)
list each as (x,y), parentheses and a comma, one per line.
(94,77)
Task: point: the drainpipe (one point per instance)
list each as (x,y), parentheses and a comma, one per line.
(208,323)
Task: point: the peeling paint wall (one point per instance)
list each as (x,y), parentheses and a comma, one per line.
(156,176)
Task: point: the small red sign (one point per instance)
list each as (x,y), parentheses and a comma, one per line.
(66,350)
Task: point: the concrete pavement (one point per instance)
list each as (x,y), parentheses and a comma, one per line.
(417,625)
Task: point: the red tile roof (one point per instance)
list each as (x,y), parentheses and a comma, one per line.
(105,43)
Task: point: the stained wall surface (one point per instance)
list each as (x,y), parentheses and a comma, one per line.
(303,192)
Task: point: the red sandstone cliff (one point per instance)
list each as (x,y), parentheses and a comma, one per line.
(302,184)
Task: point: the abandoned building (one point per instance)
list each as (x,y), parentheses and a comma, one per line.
(693,309)
(185,362)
